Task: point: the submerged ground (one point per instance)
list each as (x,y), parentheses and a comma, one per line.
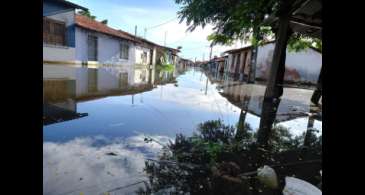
(106,149)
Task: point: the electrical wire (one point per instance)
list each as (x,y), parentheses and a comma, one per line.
(162,23)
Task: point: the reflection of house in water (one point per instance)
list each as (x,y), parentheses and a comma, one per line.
(56,113)
(58,102)
(294,104)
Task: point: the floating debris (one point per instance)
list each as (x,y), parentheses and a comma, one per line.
(112,154)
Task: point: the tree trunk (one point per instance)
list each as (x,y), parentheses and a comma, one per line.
(241,131)
(318,92)
(252,73)
(274,89)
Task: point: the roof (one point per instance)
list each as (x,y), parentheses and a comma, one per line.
(238,49)
(90,24)
(69,4)
(305,18)
(219,59)
(268,42)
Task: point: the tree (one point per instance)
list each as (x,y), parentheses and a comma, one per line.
(104,21)
(87,14)
(236,19)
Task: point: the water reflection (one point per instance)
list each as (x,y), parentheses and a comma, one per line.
(88,117)
(85,165)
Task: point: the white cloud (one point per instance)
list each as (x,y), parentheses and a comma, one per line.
(81,165)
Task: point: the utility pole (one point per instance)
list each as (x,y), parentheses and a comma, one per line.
(135,30)
(165,38)
(211,49)
(203,57)
(145,32)
(206,86)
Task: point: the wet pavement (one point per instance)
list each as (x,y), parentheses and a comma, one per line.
(105,149)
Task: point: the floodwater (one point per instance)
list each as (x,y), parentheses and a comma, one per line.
(103,148)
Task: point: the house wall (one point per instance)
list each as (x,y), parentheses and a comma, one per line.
(139,51)
(69,18)
(108,51)
(58,53)
(300,66)
(247,63)
(63,71)
(108,48)
(107,80)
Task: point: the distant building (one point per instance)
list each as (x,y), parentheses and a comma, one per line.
(303,66)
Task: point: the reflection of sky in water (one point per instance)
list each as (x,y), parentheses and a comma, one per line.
(74,151)
(166,110)
(82,165)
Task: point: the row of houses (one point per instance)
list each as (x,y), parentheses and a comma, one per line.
(76,47)
(303,66)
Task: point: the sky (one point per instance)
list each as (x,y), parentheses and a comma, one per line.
(126,14)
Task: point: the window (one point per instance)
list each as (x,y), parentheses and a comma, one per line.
(92,48)
(124,50)
(54,32)
(144,57)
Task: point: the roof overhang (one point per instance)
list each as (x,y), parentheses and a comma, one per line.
(67,4)
(305,18)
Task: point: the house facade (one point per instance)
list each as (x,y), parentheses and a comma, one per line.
(302,66)
(59,30)
(96,56)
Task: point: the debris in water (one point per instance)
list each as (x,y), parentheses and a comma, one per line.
(111,154)
(110,174)
(81,178)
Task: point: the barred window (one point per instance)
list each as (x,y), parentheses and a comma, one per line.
(54,32)
(92,48)
(124,50)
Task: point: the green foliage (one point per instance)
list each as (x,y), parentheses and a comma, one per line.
(195,164)
(166,67)
(298,43)
(232,19)
(87,14)
(236,19)
(104,21)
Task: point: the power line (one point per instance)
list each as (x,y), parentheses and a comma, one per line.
(186,34)
(162,23)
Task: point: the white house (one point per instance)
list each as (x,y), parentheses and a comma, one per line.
(93,54)
(59,30)
(301,66)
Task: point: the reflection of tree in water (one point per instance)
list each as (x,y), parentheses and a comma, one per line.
(215,159)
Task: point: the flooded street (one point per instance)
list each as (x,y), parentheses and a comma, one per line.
(104,148)
(180,97)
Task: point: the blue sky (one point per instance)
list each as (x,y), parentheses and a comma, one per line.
(125,14)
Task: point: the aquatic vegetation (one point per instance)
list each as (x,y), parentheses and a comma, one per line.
(165,67)
(217,158)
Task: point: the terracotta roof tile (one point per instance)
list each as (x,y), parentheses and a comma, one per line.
(87,23)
